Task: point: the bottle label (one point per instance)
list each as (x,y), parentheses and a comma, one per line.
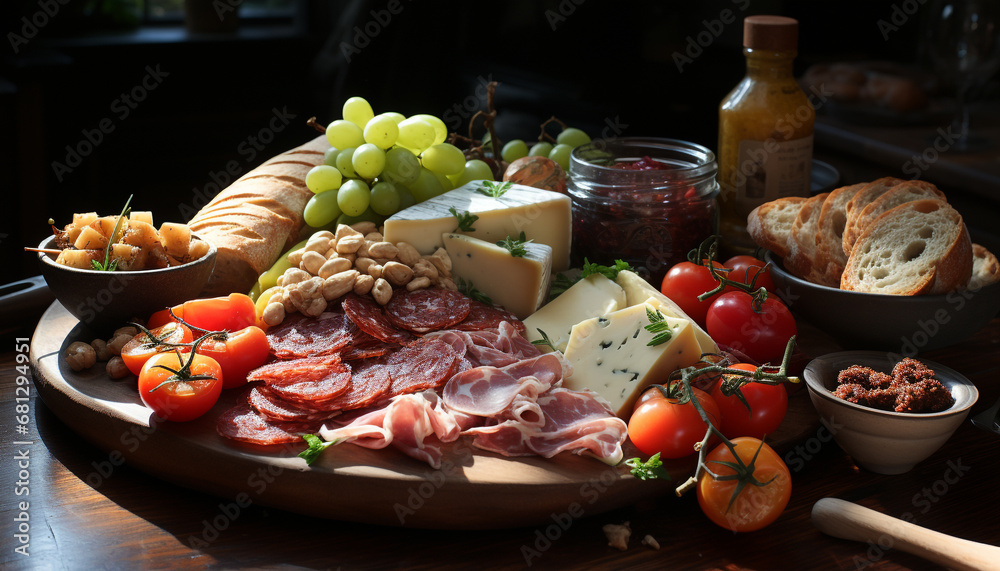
(768,170)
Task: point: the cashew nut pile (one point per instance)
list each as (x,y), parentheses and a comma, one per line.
(355,258)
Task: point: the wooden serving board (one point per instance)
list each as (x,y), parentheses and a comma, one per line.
(474,489)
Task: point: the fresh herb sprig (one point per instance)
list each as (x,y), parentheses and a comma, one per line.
(650,469)
(471,292)
(544,341)
(610,272)
(110,265)
(316,446)
(515,245)
(657,325)
(465,219)
(494,189)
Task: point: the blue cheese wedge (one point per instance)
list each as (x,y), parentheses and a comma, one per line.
(611,354)
(592,296)
(638,290)
(544,216)
(519,284)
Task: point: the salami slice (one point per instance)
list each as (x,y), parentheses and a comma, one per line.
(426,310)
(367,314)
(314,392)
(482,316)
(424,364)
(369,383)
(276,409)
(302,336)
(365,346)
(245,424)
(307,368)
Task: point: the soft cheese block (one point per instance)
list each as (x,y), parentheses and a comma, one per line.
(638,290)
(518,284)
(592,296)
(611,355)
(544,216)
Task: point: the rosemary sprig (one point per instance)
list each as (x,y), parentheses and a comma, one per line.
(110,265)
(544,341)
(515,245)
(471,292)
(658,325)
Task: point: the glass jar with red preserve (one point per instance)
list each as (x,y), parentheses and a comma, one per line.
(647,201)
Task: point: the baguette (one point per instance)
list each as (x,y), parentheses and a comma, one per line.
(903,192)
(801,259)
(770,224)
(862,198)
(830,256)
(919,247)
(256,218)
(985,268)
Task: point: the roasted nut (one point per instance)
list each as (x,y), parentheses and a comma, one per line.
(294,276)
(381,291)
(349,257)
(295,257)
(312,262)
(117,342)
(442,261)
(375,270)
(350,244)
(101,349)
(274,313)
(80,356)
(332,252)
(363,228)
(304,296)
(363,263)
(363,250)
(339,284)
(319,242)
(447,283)
(116,368)
(374,236)
(286,301)
(363,284)
(425,269)
(333,266)
(418,283)
(383,250)
(315,307)
(129,330)
(344,231)
(406,253)
(396,273)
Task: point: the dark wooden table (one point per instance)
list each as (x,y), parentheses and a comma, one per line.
(79,508)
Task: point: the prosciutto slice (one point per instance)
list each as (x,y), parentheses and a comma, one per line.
(491,347)
(489,391)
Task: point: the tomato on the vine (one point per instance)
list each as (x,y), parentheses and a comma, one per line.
(761,496)
(238,353)
(684,282)
(744,269)
(762,336)
(661,424)
(140,348)
(768,404)
(190,389)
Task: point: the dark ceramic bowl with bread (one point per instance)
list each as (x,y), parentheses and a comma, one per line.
(883,265)
(104,301)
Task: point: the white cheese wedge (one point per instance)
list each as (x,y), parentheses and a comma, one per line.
(592,296)
(638,290)
(518,284)
(611,356)
(544,216)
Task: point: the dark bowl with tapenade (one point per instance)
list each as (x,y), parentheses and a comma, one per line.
(883,441)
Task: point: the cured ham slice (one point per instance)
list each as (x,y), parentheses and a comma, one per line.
(577,421)
(496,348)
(407,423)
(489,391)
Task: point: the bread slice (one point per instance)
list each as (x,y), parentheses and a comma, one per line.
(903,192)
(863,198)
(920,247)
(801,259)
(985,268)
(770,224)
(830,256)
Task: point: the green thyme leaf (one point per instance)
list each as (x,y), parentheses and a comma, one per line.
(610,272)
(658,325)
(471,292)
(544,341)
(650,469)
(495,189)
(465,219)
(515,245)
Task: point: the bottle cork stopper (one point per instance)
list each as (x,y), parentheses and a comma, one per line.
(770,33)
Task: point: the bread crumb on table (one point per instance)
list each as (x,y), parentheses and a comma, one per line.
(618,535)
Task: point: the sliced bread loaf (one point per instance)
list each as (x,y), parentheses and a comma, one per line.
(801,259)
(903,192)
(830,256)
(770,224)
(920,247)
(985,268)
(862,198)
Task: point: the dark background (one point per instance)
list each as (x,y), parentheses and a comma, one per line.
(590,63)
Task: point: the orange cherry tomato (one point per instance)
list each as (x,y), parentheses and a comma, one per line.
(755,506)
(180,398)
(140,348)
(241,352)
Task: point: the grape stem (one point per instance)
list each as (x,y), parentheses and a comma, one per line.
(544,134)
(489,116)
(315,125)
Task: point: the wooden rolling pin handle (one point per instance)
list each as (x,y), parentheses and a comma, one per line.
(847,520)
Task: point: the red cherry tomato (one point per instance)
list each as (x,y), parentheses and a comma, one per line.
(229,313)
(183,400)
(140,348)
(162,317)
(732,321)
(746,268)
(768,404)
(755,506)
(240,353)
(662,425)
(684,283)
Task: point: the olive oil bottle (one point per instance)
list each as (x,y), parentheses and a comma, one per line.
(765,130)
